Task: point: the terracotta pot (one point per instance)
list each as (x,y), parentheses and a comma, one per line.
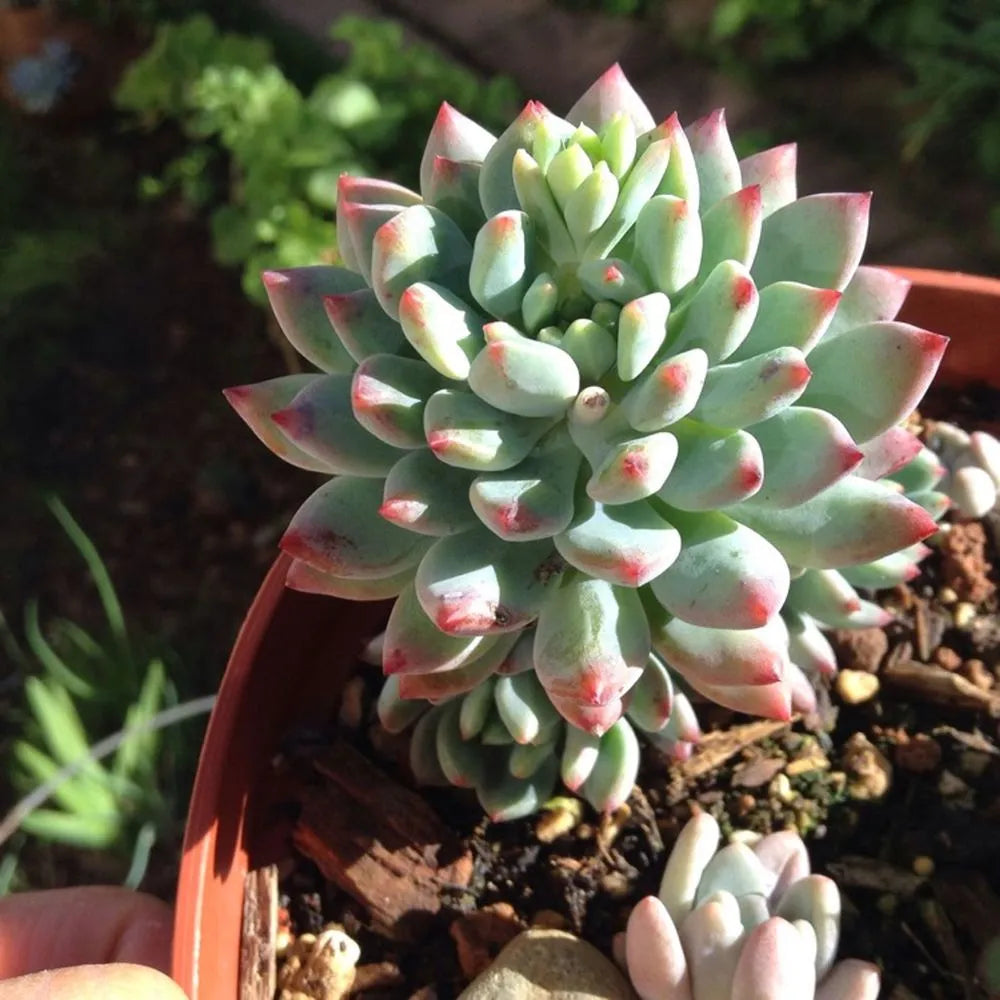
(293,653)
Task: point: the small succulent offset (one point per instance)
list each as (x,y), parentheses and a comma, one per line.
(971,467)
(741,923)
(600,399)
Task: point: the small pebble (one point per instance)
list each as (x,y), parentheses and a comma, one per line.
(556,822)
(615,884)
(976,672)
(870,773)
(947,595)
(923,866)
(856,686)
(965,613)
(781,789)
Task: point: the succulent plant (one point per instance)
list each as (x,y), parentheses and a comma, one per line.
(604,381)
(970,466)
(740,923)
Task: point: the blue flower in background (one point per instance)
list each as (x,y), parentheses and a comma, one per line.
(38,82)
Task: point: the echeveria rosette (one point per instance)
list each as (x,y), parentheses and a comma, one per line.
(599,378)
(505,738)
(741,923)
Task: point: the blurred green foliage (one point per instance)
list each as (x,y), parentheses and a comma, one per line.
(264,156)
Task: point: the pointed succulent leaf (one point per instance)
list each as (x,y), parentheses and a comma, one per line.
(726,575)
(395,713)
(807,646)
(736,869)
(502,266)
(455,137)
(774,965)
(423,495)
(524,377)
(360,223)
(523,706)
(526,759)
(591,347)
(591,641)
(475,710)
(464,431)
(880,574)
(593,719)
(805,450)
(613,776)
(255,403)
(714,468)
(538,307)
(889,367)
(320,421)
(642,328)
(309,580)
(746,392)
(388,395)
(714,157)
(731,229)
(638,188)
(580,752)
(817,240)
(654,956)
(424,761)
(816,900)
(338,530)
(569,168)
(589,207)
(823,594)
(608,95)
(362,324)
(626,544)
(936,504)
(494,733)
(790,315)
(872,295)
(504,797)
(454,189)
(667,393)
(611,279)
(534,499)
(720,314)
(444,329)
(476,583)
(681,176)
(461,761)
(650,700)
(888,452)
(438,686)
(633,469)
(536,199)
(496,181)
(618,143)
(693,850)
(370,191)
(668,242)
(921,472)
(774,170)
(296,298)
(421,243)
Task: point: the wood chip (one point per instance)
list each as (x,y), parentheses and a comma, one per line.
(870,873)
(381,843)
(717,747)
(258,958)
(931,683)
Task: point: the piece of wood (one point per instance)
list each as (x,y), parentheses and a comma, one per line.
(717,747)
(870,873)
(258,957)
(380,842)
(942,687)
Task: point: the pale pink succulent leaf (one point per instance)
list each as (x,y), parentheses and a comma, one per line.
(654,955)
(888,452)
(477,584)
(681,176)
(714,157)
(613,776)
(363,326)
(726,575)
(807,646)
(770,701)
(785,858)
(817,240)
(496,181)
(502,267)
(609,94)
(454,189)
(593,719)
(296,298)
(395,713)
(668,242)
(534,499)
(801,689)
(873,376)
(475,709)
(464,431)
(625,544)
(970,488)
(642,328)
(815,899)
(880,574)
(790,314)
(712,937)
(872,295)
(824,594)
(985,451)
(256,402)
(438,686)
(455,137)
(649,702)
(442,327)
(633,469)
(850,979)
(922,472)
(694,849)
(424,495)
(388,395)
(719,315)
(590,205)
(786,440)
(774,171)
(537,201)
(612,279)
(746,392)
(420,244)
(365,191)
(731,230)
(773,965)
(423,757)
(714,467)
(667,393)
(338,530)
(524,377)
(309,580)
(320,421)
(682,726)
(580,751)
(462,762)
(853,521)
(636,191)
(591,641)
(504,797)
(591,347)
(359,223)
